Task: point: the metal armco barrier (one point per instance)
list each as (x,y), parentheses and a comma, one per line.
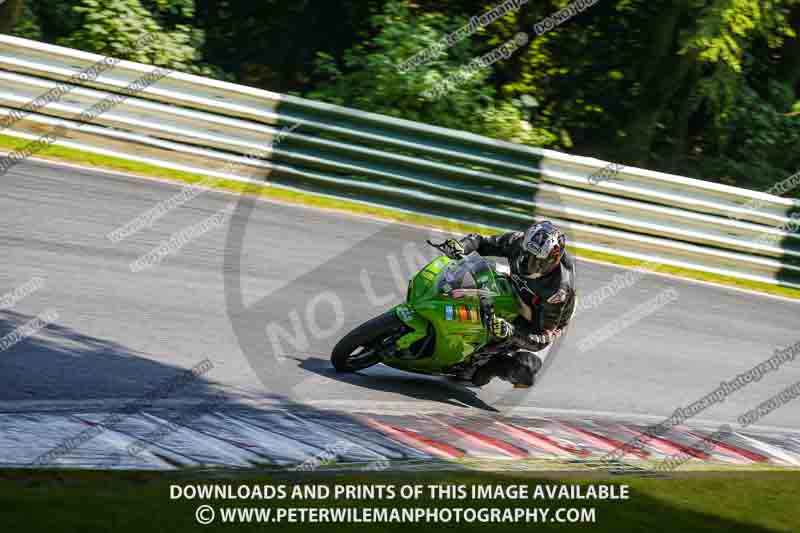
(205,126)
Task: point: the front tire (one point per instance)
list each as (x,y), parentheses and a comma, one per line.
(361,348)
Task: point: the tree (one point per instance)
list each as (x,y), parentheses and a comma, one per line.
(369,78)
(114,27)
(10,11)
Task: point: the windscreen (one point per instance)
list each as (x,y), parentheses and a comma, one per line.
(472,272)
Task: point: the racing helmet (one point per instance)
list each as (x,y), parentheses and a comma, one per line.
(542,246)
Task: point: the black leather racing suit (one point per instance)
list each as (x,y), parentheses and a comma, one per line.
(538,315)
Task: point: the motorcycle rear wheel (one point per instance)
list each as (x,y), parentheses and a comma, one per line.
(361,348)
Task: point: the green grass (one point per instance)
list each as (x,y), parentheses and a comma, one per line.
(59,153)
(129,502)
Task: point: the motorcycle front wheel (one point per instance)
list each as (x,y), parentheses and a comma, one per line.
(361,348)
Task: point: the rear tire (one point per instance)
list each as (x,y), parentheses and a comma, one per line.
(360,348)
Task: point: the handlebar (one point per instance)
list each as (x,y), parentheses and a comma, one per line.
(446,250)
(437,246)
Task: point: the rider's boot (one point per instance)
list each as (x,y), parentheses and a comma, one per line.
(520,369)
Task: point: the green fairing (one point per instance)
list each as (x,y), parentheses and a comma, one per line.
(426,306)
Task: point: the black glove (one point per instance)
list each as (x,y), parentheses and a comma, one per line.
(453,249)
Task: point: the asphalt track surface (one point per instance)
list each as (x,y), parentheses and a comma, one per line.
(119,331)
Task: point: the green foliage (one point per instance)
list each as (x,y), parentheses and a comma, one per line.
(721,38)
(53,19)
(115,27)
(368,78)
(28,25)
(762,145)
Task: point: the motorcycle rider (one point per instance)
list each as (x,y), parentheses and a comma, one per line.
(543,276)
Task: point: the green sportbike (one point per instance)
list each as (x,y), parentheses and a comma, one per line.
(443,326)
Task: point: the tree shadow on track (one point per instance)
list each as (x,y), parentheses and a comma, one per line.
(60,363)
(431,389)
(57,365)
